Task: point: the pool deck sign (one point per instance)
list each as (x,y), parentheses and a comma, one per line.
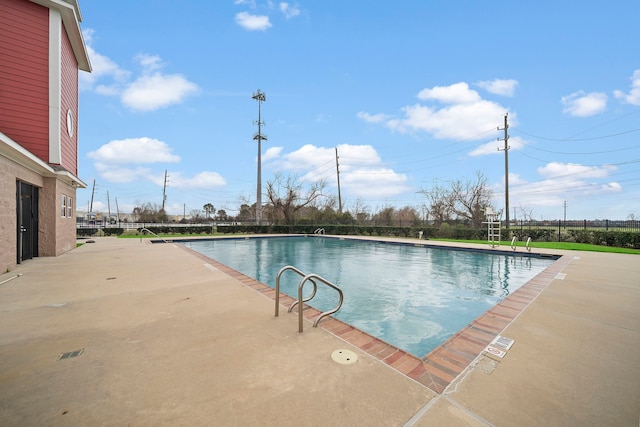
(495,352)
(499,346)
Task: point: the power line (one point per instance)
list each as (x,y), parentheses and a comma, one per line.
(578,139)
(576,153)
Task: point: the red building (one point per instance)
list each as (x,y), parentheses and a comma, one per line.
(41,54)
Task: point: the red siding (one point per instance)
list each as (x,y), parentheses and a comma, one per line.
(24,74)
(69,101)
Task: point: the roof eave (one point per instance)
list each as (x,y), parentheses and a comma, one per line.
(17,153)
(71,17)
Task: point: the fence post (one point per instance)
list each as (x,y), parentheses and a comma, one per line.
(559,228)
(606,225)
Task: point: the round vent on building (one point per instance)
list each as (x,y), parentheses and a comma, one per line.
(70,123)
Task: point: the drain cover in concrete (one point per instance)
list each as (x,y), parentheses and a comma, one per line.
(71,354)
(344,357)
(502,342)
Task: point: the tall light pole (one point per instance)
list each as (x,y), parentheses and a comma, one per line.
(506,170)
(260,97)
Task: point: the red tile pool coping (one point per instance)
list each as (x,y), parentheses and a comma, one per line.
(442,365)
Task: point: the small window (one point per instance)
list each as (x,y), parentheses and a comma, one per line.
(69,207)
(63,211)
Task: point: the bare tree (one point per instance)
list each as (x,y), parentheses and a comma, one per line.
(471,197)
(286,196)
(196,216)
(441,203)
(149,212)
(361,212)
(384,216)
(465,200)
(407,216)
(526,213)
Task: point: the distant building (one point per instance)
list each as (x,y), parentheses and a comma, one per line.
(41,54)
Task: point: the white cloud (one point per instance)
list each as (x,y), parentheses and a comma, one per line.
(358,155)
(308,157)
(458,93)
(504,87)
(149,62)
(372,118)
(288,10)
(108,90)
(582,104)
(204,181)
(462,121)
(320,161)
(561,182)
(149,91)
(464,116)
(574,170)
(361,171)
(374,182)
(154,91)
(253,22)
(102,66)
(134,150)
(633,97)
(271,153)
(496,147)
(121,175)
(112,162)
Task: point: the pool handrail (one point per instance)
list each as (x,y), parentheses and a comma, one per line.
(300,301)
(310,277)
(301,274)
(513,243)
(527,244)
(319,231)
(149,231)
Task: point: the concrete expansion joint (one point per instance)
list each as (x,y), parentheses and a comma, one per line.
(467,411)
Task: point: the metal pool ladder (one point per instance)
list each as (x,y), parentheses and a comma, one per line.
(300,302)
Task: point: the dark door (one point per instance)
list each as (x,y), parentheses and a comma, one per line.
(27,220)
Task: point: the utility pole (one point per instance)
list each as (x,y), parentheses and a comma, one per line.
(260,97)
(117,212)
(108,205)
(92,193)
(506,169)
(164,190)
(338,175)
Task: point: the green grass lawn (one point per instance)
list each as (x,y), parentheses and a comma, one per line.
(557,245)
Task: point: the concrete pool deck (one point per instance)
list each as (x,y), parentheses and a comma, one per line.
(169,339)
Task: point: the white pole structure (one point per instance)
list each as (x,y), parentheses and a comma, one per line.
(260,97)
(506,170)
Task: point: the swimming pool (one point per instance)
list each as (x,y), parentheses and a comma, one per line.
(413,297)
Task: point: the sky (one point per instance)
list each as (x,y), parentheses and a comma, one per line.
(411,95)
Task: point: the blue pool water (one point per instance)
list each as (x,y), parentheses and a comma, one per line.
(412,297)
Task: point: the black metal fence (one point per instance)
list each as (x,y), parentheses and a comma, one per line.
(597,224)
